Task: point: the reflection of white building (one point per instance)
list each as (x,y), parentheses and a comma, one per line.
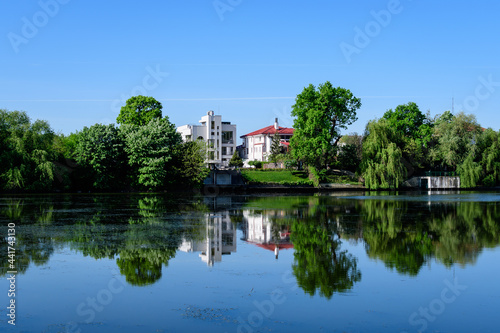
(220,239)
(259,231)
(219,135)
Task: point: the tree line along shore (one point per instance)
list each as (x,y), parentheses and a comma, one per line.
(144,152)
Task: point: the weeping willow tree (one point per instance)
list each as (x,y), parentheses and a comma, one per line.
(382,165)
(470,172)
(491,157)
(26,153)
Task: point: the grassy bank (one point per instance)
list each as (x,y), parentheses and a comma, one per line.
(282,177)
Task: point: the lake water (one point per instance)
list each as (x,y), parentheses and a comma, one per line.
(345,262)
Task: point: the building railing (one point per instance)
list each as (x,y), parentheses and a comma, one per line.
(441,174)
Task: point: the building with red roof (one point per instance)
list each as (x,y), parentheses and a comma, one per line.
(257,144)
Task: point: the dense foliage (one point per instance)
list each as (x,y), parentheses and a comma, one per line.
(146,153)
(405,143)
(101,157)
(27,155)
(321,114)
(139,110)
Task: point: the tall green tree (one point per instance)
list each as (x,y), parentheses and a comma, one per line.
(275,149)
(320,116)
(407,120)
(100,150)
(413,132)
(189,163)
(26,153)
(490,153)
(454,137)
(150,150)
(382,165)
(139,110)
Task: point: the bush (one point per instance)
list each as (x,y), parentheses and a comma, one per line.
(256,164)
(489,180)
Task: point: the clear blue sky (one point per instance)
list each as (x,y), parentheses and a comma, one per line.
(76,63)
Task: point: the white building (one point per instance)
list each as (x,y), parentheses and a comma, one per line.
(257,144)
(220,136)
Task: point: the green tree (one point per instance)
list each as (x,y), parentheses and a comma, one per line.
(150,150)
(275,149)
(190,163)
(382,165)
(139,110)
(469,171)
(413,132)
(100,150)
(490,147)
(26,153)
(454,137)
(321,114)
(236,160)
(406,120)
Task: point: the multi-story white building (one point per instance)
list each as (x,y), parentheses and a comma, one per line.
(257,144)
(219,135)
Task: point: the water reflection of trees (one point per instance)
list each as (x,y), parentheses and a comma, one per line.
(394,236)
(403,234)
(320,264)
(141,232)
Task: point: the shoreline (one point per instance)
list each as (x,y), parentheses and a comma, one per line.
(211,189)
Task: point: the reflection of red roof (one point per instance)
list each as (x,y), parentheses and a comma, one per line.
(271,130)
(271,247)
(286,143)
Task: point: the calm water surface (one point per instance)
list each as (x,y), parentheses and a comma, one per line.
(325,263)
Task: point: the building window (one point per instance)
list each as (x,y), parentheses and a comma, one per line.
(213,125)
(231,150)
(224,151)
(227,137)
(188,137)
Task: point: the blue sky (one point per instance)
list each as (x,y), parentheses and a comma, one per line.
(75,62)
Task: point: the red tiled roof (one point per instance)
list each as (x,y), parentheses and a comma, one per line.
(271,130)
